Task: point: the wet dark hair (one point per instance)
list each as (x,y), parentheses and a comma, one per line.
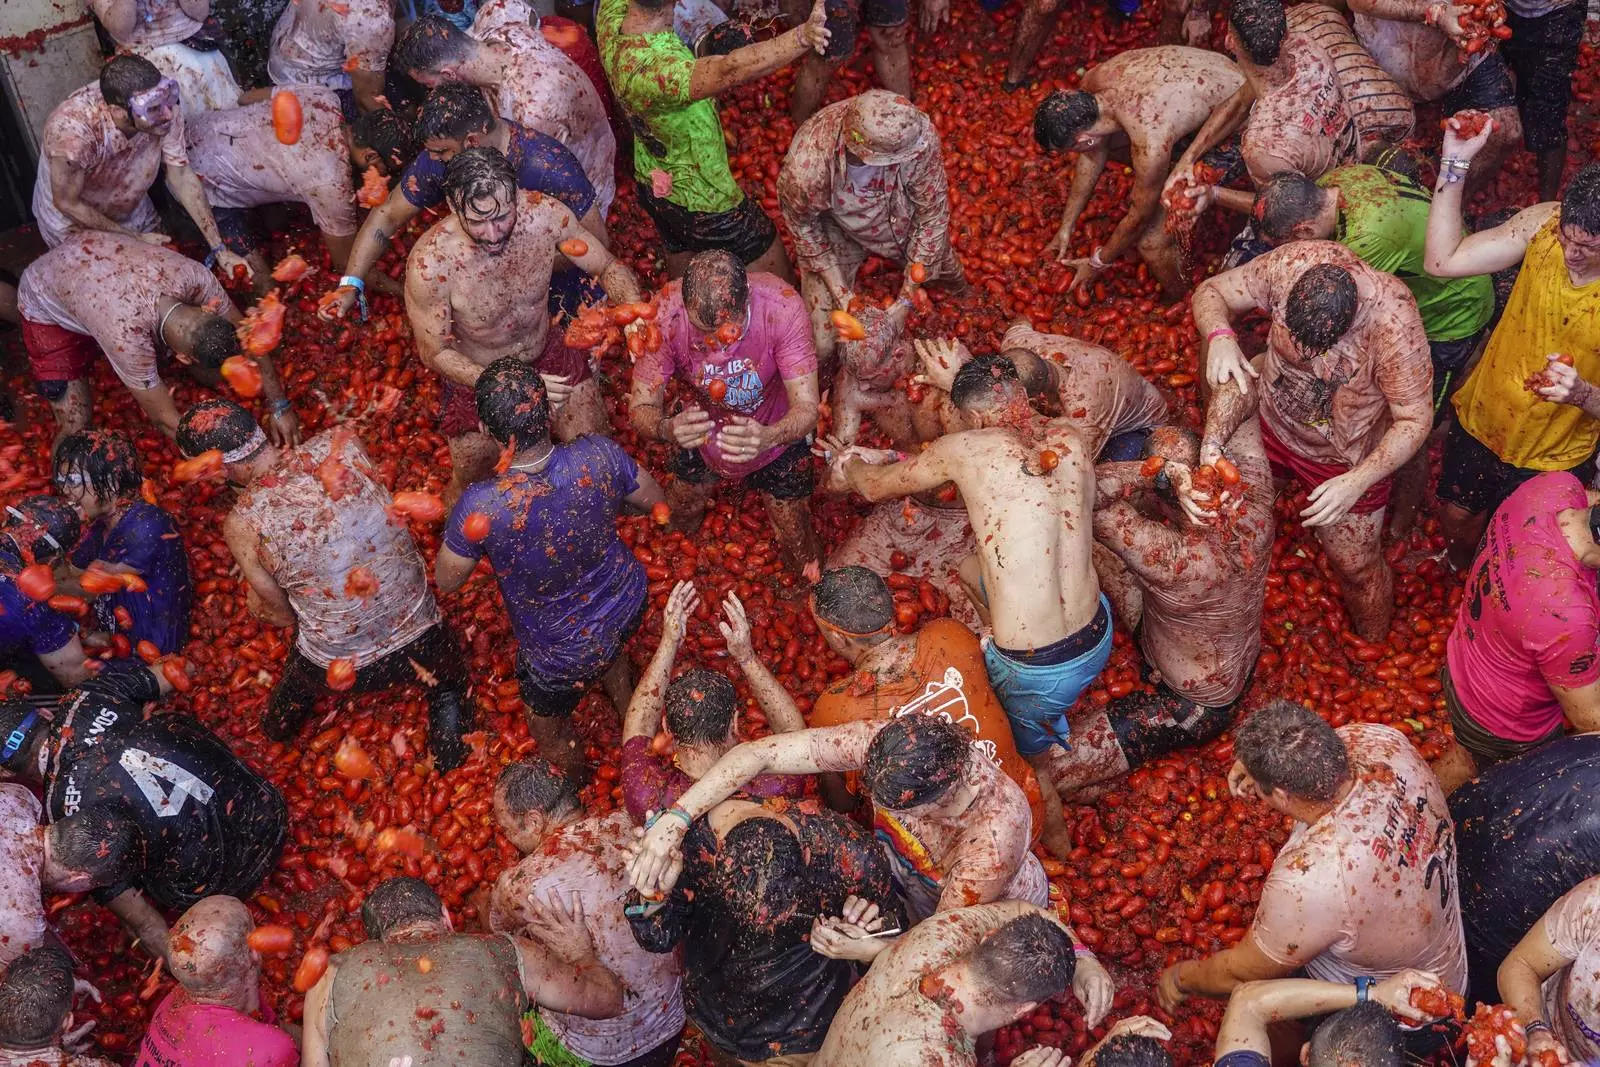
(974,384)
(475,173)
(43,516)
(1260,26)
(1580,203)
(432,42)
(125,76)
(1321,306)
(1362,1036)
(396,902)
(715,284)
(913,760)
(1288,746)
(854,599)
(103,841)
(701,705)
(1029,958)
(35,997)
(513,404)
(104,461)
(1132,1050)
(723,38)
(1061,116)
(214,422)
(761,868)
(1283,202)
(215,339)
(538,785)
(452,111)
(386,133)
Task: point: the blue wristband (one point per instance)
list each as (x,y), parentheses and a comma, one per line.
(211,260)
(350,281)
(282,407)
(1364,986)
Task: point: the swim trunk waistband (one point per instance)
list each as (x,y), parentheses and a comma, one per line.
(1068,648)
(1037,689)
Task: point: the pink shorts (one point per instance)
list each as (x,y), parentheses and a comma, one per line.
(1287,463)
(56,354)
(458,404)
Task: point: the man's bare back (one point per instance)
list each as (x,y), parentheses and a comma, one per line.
(1161,95)
(491,304)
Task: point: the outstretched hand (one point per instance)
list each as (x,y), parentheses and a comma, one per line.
(814,32)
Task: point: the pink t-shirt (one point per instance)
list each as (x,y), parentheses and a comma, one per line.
(120,169)
(1369,888)
(242,163)
(654,783)
(186,1034)
(22,924)
(107,285)
(1572,994)
(1530,617)
(776,346)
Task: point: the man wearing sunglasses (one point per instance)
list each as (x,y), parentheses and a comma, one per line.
(101,151)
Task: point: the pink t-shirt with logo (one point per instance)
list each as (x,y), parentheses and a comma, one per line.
(1530,615)
(186,1034)
(776,346)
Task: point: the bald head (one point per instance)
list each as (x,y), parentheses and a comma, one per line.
(209,954)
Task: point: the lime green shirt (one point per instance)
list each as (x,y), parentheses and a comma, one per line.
(678,137)
(1383,218)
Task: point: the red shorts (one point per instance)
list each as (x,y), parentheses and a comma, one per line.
(56,354)
(458,405)
(1286,463)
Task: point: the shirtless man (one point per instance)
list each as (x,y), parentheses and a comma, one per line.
(1365,886)
(1029,489)
(956,829)
(1191,592)
(420,992)
(1312,99)
(935,991)
(1137,106)
(101,151)
(529,80)
(567,853)
(114,296)
(1344,392)
(476,286)
(314,536)
(341,45)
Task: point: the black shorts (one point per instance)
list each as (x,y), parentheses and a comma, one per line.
(745,230)
(1448,357)
(1487,88)
(790,476)
(1543,53)
(1487,748)
(846,17)
(549,699)
(1473,478)
(238,230)
(1149,725)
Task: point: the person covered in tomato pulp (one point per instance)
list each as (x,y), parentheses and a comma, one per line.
(36,1019)
(1360,1022)
(37,641)
(341,45)
(548,525)
(1366,885)
(125,536)
(417,991)
(183,816)
(216,1017)
(568,853)
(319,544)
(174,36)
(741,342)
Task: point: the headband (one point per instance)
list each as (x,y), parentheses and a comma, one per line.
(43,534)
(18,737)
(840,630)
(251,446)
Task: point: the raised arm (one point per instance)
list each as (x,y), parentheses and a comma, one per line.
(783,715)
(1448,251)
(649,693)
(717,74)
(926,470)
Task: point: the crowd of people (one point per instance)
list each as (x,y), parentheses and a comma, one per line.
(867,882)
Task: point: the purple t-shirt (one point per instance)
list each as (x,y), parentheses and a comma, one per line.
(652,783)
(776,345)
(543,165)
(185,1034)
(146,539)
(28,625)
(571,587)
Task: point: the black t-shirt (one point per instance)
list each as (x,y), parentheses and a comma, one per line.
(210,823)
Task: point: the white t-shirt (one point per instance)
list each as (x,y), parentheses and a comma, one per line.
(22,925)
(1370,888)
(1572,994)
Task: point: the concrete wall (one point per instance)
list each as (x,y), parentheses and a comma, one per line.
(47,49)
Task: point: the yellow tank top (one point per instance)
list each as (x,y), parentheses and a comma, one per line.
(1546,313)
